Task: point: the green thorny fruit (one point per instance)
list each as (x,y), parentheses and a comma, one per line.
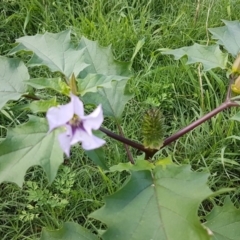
(153,129)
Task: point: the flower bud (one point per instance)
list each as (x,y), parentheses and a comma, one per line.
(153,129)
(73,85)
(236,86)
(236,65)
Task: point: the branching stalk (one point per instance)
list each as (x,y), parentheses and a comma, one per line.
(123,140)
(226,104)
(223,106)
(149,153)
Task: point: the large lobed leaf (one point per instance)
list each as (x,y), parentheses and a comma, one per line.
(159,204)
(54,50)
(69,231)
(209,56)
(101,60)
(98,157)
(12,74)
(228,36)
(102,69)
(113,99)
(224,221)
(92,81)
(92,64)
(27,145)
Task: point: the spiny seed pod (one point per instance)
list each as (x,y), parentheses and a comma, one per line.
(236,86)
(153,129)
(236,65)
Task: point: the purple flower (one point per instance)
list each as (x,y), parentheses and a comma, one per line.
(78,127)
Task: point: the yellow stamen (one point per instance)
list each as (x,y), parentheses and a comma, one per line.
(75,120)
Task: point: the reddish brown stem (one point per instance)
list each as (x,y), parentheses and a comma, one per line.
(149,153)
(198,122)
(124,140)
(129,155)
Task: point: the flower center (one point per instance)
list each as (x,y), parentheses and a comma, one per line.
(75,121)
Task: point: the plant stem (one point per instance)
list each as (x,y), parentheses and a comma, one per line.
(150,152)
(31,96)
(123,140)
(198,122)
(129,155)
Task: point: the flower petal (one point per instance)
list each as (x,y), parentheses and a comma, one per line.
(93,120)
(92,143)
(89,142)
(58,116)
(65,140)
(77,105)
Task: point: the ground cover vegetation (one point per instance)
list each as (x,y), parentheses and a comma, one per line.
(182,92)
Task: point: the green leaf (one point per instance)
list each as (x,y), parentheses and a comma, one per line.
(12,73)
(159,204)
(224,221)
(27,145)
(69,231)
(92,81)
(139,45)
(38,106)
(102,69)
(236,117)
(228,36)
(98,157)
(164,161)
(138,166)
(49,83)
(113,99)
(209,56)
(234,137)
(54,50)
(101,60)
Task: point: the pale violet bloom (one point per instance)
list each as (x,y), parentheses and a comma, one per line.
(78,127)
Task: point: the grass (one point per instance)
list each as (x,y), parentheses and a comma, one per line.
(158,81)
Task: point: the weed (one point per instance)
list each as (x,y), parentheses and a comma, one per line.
(183,93)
